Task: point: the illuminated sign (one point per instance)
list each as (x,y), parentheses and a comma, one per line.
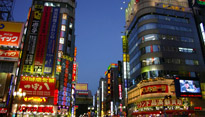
(35,99)
(154,89)
(42,38)
(202,31)
(74,72)
(160,102)
(81,87)
(3,110)
(201,2)
(9,55)
(38,86)
(51,41)
(172,7)
(11,33)
(33,36)
(24,108)
(120,91)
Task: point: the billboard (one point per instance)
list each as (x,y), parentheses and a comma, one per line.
(38,86)
(52,40)
(41,43)
(35,24)
(9,55)
(81,87)
(186,87)
(11,33)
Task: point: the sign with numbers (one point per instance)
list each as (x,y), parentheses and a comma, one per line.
(38,86)
(10,33)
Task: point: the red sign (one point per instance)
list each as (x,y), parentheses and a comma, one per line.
(74,72)
(9,38)
(155,89)
(36,109)
(3,110)
(9,55)
(160,102)
(38,86)
(42,36)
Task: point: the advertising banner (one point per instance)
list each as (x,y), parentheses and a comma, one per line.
(52,40)
(11,33)
(3,78)
(36,17)
(38,86)
(40,50)
(9,55)
(74,72)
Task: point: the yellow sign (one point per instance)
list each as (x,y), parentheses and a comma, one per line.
(35,99)
(81,87)
(173,7)
(67,58)
(11,26)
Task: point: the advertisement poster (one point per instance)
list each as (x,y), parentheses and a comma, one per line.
(32,38)
(52,40)
(11,33)
(38,86)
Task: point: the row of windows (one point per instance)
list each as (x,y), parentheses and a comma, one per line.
(157,48)
(164,73)
(157,60)
(162,17)
(151,37)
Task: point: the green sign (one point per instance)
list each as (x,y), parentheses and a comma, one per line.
(201,2)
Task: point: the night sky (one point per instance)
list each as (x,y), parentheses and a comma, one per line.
(98,27)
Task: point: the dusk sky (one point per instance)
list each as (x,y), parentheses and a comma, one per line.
(98,27)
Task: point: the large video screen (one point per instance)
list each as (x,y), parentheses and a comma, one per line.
(189,86)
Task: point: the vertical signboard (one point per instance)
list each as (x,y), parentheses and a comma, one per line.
(40,50)
(52,40)
(27,67)
(74,72)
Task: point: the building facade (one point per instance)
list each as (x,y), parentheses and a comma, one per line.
(48,68)
(163,42)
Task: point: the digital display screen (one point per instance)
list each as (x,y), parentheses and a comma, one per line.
(189,86)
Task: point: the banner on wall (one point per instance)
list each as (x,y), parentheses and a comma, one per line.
(36,17)
(41,43)
(38,86)
(52,40)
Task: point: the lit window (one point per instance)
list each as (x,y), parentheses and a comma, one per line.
(63,28)
(65,16)
(61,40)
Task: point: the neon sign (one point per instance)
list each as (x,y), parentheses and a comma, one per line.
(35,99)
(201,2)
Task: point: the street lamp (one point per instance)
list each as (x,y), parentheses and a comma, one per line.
(18,94)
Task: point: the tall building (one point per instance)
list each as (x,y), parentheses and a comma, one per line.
(113,102)
(10,47)
(48,68)
(163,43)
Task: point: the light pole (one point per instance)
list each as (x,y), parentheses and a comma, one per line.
(18,94)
